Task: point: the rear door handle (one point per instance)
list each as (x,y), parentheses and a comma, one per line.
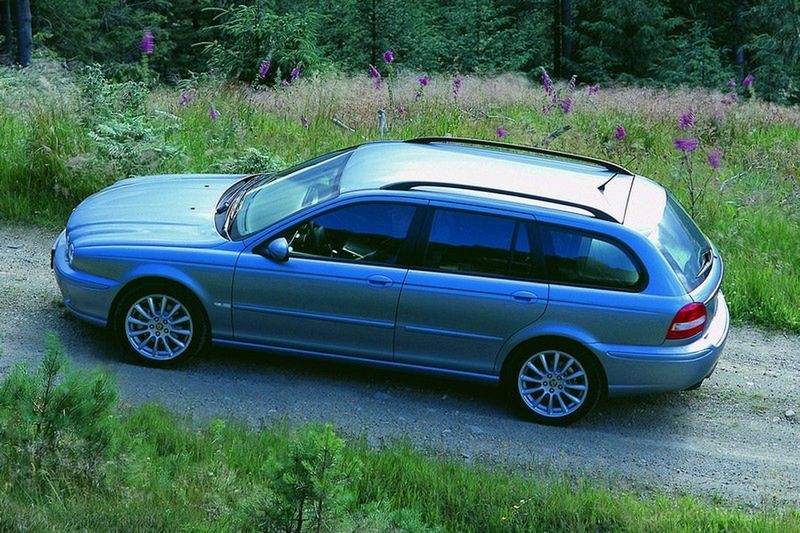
(379,281)
(524,297)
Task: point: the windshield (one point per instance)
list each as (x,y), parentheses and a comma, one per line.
(267,201)
(684,246)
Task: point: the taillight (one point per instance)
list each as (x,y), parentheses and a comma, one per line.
(689,321)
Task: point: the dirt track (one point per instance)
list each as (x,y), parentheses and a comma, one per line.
(732,438)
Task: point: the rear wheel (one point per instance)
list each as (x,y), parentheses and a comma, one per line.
(161,325)
(553,385)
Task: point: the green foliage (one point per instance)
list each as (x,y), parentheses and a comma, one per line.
(775,47)
(250,161)
(695,62)
(247,35)
(621,39)
(70,461)
(56,429)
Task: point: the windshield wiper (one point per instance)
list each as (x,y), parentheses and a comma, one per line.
(243,186)
(706,260)
(234,203)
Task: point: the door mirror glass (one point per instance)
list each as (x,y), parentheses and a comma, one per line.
(277,250)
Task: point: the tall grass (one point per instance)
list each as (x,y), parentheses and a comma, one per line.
(74,461)
(60,142)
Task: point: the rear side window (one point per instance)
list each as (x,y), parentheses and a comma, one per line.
(478,244)
(582,259)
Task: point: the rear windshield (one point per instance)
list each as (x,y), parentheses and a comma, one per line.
(683,244)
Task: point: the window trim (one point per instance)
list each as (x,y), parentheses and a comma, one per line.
(423,240)
(406,249)
(644,277)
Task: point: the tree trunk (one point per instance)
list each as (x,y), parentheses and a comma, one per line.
(566,38)
(557,38)
(740,32)
(24,33)
(6,54)
(373,22)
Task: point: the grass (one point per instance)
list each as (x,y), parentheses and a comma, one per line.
(73,460)
(63,140)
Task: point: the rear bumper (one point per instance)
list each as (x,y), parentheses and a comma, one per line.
(665,368)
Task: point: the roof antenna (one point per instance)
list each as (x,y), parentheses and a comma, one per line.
(602,188)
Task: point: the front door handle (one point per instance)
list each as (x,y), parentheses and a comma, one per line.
(524,297)
(379,281)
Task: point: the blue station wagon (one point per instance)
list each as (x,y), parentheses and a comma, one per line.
(560,277)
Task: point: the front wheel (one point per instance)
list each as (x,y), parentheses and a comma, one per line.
(554,385)
(161,325)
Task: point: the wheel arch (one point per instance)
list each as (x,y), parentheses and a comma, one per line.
(551,340)
(140,282)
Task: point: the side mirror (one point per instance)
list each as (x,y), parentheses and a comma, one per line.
(277,250)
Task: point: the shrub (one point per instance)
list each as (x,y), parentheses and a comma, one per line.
(56,428)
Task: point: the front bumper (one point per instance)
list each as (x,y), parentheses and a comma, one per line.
(86,296)
(665,368)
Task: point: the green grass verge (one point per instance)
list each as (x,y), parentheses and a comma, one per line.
(61,142)
(72,460)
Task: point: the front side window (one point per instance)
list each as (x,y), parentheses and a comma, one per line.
(581,259)
(372,233)
(478,244)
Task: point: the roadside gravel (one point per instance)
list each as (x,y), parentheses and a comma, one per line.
(736,438)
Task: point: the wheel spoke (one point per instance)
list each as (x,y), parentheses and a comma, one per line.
(528,392)
(533,367)
(571,397)
(132,320)
(144,313)
(555,361)
(577,374)
(574,386)
(561,402)
(529,379)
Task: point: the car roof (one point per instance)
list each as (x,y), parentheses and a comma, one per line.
(461,166)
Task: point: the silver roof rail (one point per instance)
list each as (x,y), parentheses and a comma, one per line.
(611,167)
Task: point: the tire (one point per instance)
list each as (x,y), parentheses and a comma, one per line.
(160,325)
(553,383)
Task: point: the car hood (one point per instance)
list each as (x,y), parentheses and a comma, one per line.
(173,210)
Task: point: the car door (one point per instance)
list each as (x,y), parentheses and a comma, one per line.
(471,291)
(337,293)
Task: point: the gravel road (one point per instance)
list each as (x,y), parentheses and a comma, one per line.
(736,438)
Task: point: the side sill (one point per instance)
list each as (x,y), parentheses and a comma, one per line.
(406,367)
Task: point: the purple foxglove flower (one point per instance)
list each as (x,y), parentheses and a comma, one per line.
(375,75)
(424,80)
(686,120)
(213,114)
(147,44)
(263,70)
(620,133)
(714,158)
(388,56)
(501,132)
(185,97)
(729,99)
(686,145)
(731,83)
(566,105)
(747,82)
(295,74)
(593,89)
(457,81)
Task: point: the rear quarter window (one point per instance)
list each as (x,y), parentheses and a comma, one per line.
(583,259)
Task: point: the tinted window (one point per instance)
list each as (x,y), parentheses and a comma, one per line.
(572,257)
(371,233)
(682,244)
(469,242)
